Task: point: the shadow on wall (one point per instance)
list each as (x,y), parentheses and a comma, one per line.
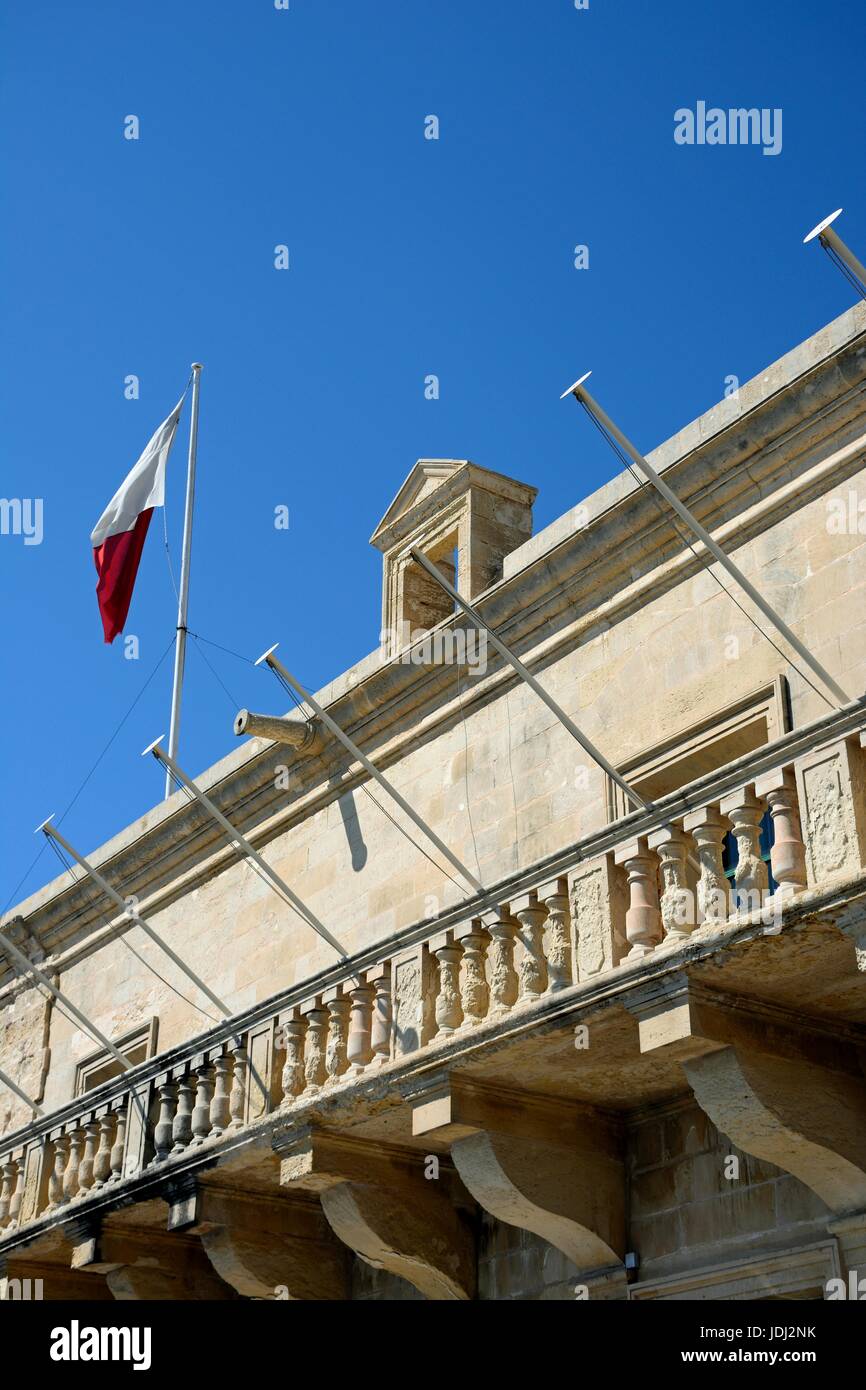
(353,830)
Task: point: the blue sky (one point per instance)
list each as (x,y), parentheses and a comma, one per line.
(408,257)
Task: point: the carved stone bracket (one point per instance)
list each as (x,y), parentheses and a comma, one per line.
(381,1205)
(259,1243)
(782,1088)
(549,1167)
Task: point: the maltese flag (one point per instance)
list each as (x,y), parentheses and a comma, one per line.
(118,536)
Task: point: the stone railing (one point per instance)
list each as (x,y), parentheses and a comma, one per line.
(656,880)
(676,876)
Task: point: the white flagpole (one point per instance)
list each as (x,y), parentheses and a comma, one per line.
(22,1095)
(183,597)
(127,906)
(369,767)
(580,393)
(828,237)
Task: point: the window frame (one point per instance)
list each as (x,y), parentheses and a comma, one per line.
(770,700)
(144,1034)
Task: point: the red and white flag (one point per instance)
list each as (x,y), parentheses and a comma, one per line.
(118,536)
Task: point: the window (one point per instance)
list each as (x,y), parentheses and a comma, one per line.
(730,733)
(424,603)
(136,1046)
(730,854)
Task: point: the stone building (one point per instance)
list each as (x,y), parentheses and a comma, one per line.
(632,1067)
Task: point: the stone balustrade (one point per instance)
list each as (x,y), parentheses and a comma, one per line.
(646,892)
(676,876)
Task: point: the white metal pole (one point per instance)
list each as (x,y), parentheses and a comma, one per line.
(370,768)
(183,597)
(579,391)
(133,915)
(28,968)
(7,1081)
(828,237)
(282,888)
(527,676)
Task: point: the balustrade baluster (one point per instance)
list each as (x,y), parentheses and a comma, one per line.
(17,1193)
(745,813)
(181,1130)
(162,1134)
(708,830)
(314,1054)
(677,904)
(474,989)
(294,1032)
(359,1050)
(85,1167)
(448,1010)
(55,1182)
(238,1096)
(557,934)
(336,1059)
(503,976)
(70,1177)
(201,1122)
(220,1106)
(9,1171)
(787,852)
(380,1032)
(533,966)
(643,921)
(102,1161)
(118,1147)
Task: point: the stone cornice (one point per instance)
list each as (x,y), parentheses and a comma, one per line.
(405,515)
(557,590)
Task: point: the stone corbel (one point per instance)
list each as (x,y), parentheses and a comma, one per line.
(45,1274)
(142,1262)
(807,1120)
(263,1246)
(550,1167)
(790,1094)
(381,1205)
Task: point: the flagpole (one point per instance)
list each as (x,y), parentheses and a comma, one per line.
(183,596)
(580,393)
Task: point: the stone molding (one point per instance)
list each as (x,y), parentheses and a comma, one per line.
(784,1272)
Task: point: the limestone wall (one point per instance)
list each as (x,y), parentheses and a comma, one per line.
(684,1211)
(24,1033)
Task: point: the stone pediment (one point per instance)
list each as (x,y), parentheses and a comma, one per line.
(447,478)
(463,518)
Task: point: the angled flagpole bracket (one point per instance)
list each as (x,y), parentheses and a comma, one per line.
(7,1081)
(274,880)
(526,675)
(369,767)
(128,908)
(580,393)
(829,238)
